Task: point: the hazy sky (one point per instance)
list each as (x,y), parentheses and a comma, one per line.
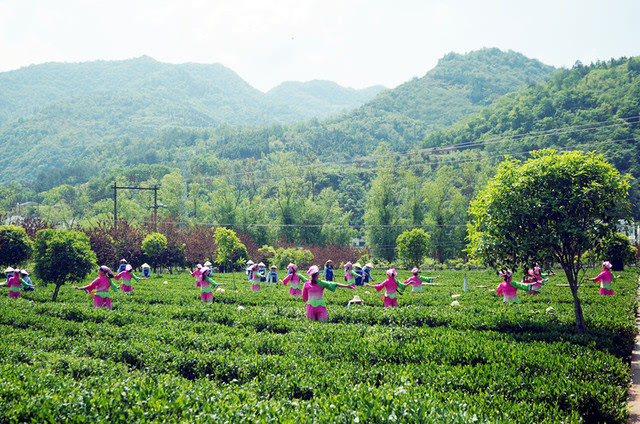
(356,43)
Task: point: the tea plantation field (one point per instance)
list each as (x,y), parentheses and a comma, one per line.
(162,355)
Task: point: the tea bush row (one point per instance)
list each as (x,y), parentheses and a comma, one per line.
(162,355)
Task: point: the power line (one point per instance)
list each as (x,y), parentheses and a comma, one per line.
(276,225)
(446,161)
(466,145)
(363,226)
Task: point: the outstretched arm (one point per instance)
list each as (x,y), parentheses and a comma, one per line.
(210,281)
(24,284)
(401,286)
(92,285)
(523,286)
(113,285)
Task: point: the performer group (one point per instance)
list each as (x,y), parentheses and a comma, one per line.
(309,287)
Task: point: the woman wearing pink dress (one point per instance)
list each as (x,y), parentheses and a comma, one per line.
(294,279)
(509,289)
(127,275)
(206,284)
(254,277)
(391,288)
(313,294)
(417,280)
(605,278)
(16,284)
(101,285)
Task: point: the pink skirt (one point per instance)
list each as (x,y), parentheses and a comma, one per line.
(319,313)
(295,292)
(255,287)
(101,302)
(14,295)
(126,288)
(206,297)
(606,292)
(390,302)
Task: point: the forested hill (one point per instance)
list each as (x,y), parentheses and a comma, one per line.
(320,99)
(118,113)
(54,113)
(594,107)
(459,85)
(55,90)
(287,181)
(213,92)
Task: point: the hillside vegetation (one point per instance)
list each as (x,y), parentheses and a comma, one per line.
(311,183)
(52,113)
(593,107)
(114,105)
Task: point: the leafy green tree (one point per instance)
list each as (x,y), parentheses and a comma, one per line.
(290,207)
(154,246)
(230,249)
(174,253)
(336,229)
(413,246)
(224,203)
(10,195)
(617,249)
(194,198)
(298,256)
(381,217)
(265,255)
(172,193)
(260,211)
(446,214)
(311,219)
(61,256)
(413,199)
(15,245)
(551,208)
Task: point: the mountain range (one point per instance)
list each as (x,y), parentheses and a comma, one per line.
(56,114)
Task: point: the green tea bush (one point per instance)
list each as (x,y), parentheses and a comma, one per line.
(163,355)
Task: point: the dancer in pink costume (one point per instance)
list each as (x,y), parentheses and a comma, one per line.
(127,275)
(102,284)
(541,279)
(16,284)
(509,289)
(254,277)
(313,294)
(350,274)
(417,280)
(391,288)
(207,284)
(533,276)
(197,274)
(296,280)
(605,278)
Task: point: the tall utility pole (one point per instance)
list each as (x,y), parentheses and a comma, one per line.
(155,203)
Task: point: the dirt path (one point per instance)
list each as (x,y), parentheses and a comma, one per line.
(634,392)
